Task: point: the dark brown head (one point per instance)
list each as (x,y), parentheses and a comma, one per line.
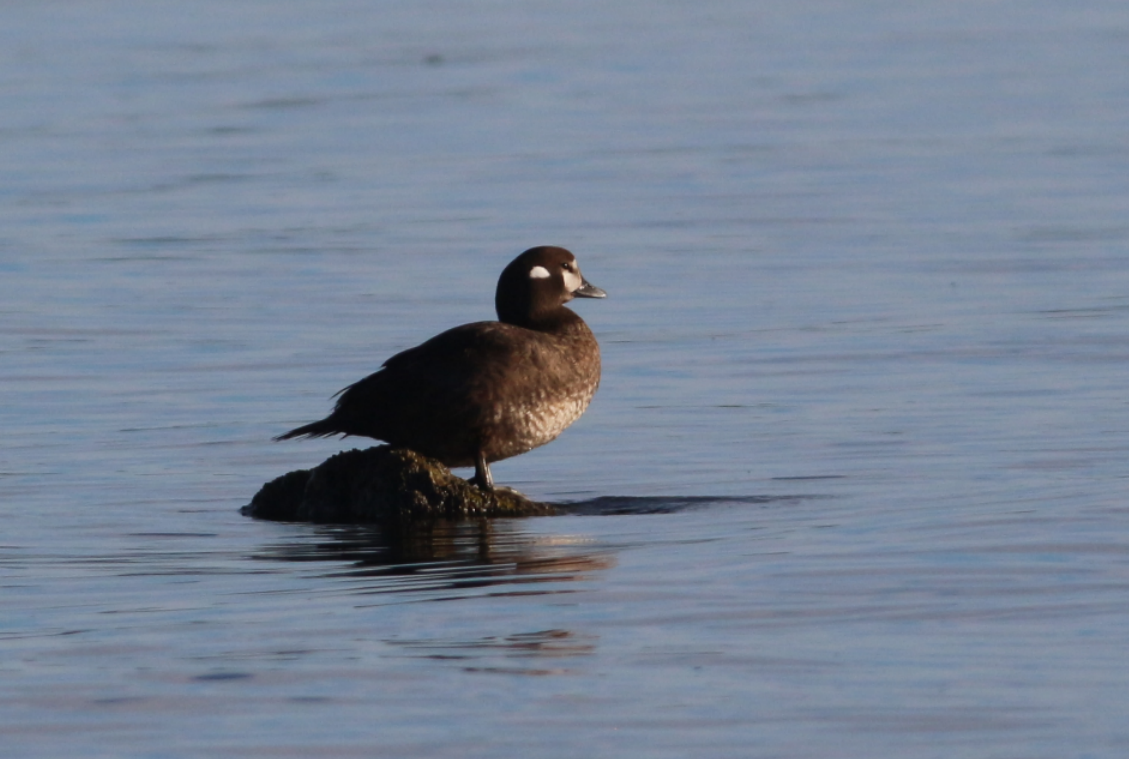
(535,286)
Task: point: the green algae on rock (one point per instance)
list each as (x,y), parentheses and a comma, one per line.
(383,484)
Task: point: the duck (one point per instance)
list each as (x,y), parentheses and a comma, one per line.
(486,391)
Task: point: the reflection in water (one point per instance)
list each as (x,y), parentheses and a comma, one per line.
(442,560)
(442,554)
(464,554)
(445,560)
(531,651)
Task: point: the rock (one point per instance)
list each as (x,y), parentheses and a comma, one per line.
(383,484)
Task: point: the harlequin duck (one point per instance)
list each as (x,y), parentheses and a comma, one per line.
(485,391)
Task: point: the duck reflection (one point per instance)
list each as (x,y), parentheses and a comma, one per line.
(440,555)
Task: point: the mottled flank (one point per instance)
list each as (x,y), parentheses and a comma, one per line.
(540,422)
(383,484)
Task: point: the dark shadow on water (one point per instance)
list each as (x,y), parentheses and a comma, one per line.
(609,505)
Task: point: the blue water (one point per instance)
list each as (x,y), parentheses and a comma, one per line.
(862,432)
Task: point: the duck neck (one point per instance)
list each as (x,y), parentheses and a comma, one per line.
(557,320)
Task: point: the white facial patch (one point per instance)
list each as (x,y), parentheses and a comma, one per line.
(573,281)
(538,272)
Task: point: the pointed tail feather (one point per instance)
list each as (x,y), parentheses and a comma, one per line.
(324,428)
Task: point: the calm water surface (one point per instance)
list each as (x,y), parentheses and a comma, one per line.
(855,483)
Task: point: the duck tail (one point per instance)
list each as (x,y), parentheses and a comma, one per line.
(324,428)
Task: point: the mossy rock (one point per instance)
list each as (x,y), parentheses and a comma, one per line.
(383,484)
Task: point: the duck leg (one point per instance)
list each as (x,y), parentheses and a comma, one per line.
(482,477)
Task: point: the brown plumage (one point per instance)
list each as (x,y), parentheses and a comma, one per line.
(486,391)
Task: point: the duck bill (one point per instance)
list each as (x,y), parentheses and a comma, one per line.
(588,290)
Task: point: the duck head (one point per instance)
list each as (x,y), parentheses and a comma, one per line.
(535,286)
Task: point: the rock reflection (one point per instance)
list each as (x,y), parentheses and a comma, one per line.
(443,555)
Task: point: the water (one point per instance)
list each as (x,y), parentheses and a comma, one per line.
(863,425)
